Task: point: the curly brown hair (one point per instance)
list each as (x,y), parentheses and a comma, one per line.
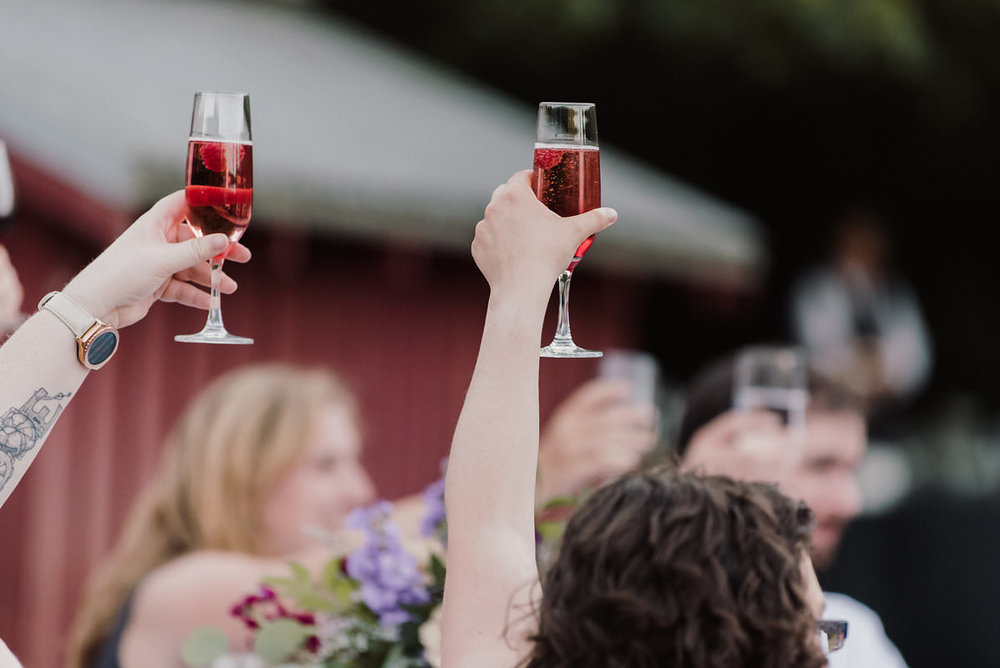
(670,569)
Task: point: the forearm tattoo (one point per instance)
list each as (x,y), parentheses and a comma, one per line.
(21,429)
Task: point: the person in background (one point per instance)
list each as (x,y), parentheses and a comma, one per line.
(259,460)
(859,322)
(596,434)
(655,568)
(825,478)
(155,259)
(11,295)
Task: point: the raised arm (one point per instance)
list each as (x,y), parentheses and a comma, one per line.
(520,247)
(154,259)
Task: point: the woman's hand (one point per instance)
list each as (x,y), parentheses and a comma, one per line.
(156,258)
(521,246)
(743,446)
(595,434)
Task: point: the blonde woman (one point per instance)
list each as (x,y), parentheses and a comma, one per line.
(260,455)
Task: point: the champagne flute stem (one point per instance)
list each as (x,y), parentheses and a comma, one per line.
(562,329)
(215,300)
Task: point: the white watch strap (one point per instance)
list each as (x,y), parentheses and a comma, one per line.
(66,309)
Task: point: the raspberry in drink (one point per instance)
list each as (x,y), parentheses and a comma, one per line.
(219,189)
(567,179)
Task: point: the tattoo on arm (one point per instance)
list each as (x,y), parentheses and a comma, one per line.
(21,429)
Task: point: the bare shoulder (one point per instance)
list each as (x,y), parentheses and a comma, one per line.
(198,575)
(187,593)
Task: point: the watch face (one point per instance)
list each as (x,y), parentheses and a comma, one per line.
(102,348)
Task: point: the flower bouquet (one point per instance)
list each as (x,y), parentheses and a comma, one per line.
(376,607)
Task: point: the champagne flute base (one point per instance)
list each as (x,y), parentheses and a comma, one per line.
(213,336)
(565,348)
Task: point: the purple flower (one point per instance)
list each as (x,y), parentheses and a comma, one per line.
(377,598)
(397,569)
(434,500)
(388,574)
(361,564)
(394,618)
(369,517)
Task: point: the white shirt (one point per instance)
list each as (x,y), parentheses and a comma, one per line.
(867,646)
(821,312)
(7,658)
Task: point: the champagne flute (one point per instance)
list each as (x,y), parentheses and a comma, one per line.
(219,189)
(567,178)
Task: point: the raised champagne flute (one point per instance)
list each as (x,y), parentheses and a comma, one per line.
(567,178)
(219,189)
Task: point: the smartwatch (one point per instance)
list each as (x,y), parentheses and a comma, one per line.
(96,341)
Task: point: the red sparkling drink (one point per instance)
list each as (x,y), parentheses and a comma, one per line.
(219,189)
(568,180)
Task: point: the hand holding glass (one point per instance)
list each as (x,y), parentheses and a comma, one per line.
(567,178)
(219,189)
(773,380)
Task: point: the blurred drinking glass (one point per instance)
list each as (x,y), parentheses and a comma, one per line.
(772,380)
(567,178)
(638,369)
(219,188)
(11,293)
(6,188)
(641,373)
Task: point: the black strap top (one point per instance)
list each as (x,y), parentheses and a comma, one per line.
(108,657)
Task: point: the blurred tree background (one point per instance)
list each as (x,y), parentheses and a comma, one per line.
(791,109)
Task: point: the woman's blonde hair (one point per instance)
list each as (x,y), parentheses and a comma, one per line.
(231,445)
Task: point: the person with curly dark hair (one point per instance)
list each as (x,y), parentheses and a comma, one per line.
(656,569)
(670,569)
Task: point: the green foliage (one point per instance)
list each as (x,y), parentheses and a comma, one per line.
(560,502)
(551,532)
(331,595)
(437,571)
(279,640)
(763,37)
(204,646)
(774,41)
(335,582)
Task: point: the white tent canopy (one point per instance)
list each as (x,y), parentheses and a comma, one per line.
(351,134)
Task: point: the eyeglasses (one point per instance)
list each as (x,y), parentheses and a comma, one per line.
(832,634)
